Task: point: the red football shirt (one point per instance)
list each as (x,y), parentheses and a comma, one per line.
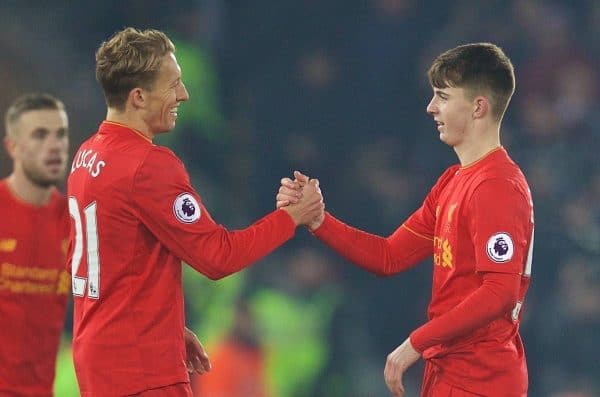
(34,291)
(136,217)
(480,220)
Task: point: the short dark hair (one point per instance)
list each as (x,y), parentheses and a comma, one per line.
(479,68)
(29,102)
(130,58)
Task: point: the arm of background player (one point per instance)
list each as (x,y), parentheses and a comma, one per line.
(205,245)
(379,255)
(497,295)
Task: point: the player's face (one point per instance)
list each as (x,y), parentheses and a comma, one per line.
(41,145)
(167,93)
(451,110)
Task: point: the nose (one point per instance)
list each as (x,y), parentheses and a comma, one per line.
(56,142)
(183,94)
(431,107)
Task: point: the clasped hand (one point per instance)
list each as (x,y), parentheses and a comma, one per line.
(302,199)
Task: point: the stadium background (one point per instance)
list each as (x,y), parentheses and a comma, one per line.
(338,90)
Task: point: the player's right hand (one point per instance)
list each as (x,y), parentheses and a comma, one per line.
(292,192)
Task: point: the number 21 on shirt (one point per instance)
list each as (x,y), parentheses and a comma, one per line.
(90,246)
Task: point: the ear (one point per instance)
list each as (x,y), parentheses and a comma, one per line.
(137,98)
(482,107)
(11,146)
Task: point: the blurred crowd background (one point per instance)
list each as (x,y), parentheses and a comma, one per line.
(338,90)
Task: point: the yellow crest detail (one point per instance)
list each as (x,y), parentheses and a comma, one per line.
(8,244)
(451,211)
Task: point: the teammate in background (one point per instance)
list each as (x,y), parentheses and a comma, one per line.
(34,287)
(136,217)
(477,222)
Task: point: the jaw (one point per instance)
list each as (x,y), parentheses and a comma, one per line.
(445,139)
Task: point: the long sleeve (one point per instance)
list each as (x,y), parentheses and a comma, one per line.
(497,295)
(376,254)
(170,207)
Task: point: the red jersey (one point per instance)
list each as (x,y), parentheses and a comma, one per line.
(136,217)
(34,291)
(480,221)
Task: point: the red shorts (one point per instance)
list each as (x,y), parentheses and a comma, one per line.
(433,386)
(176,390)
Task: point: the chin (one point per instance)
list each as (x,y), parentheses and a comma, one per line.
(46,182)
(170,127)
(447,140)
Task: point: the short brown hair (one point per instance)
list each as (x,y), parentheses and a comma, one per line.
(29,102)
(130,58)
(479,68)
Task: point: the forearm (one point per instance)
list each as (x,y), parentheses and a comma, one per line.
(497,295)
(376,254)
(223,252)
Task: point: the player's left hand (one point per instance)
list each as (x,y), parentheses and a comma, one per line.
(290,191)
(397,363)
(196,358)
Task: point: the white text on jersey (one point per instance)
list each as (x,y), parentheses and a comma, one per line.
(88,159)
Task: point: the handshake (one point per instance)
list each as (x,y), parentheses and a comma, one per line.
(302,200)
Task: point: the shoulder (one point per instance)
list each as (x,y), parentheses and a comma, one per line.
(162,156)
(160,163)
(58,199)
(502,164)
(442,181)
(446,176)
(501,192)
(503,175)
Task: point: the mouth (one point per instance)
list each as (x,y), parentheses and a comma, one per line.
(439,124)
(54,163)
(173,111)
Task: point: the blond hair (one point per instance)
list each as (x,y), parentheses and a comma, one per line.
(130,58)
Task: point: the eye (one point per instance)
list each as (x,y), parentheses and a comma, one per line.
(39,133)
(443,96)
(62,133)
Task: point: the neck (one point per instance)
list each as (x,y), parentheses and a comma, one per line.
(27,191)
(478,146)
(129,119)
